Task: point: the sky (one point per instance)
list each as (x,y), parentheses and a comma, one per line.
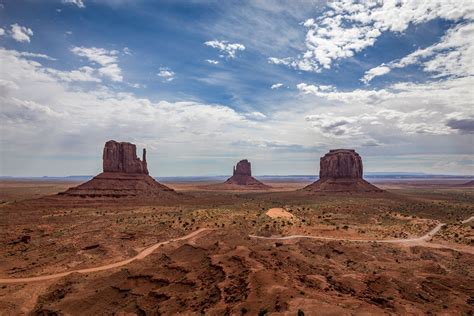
(203,84)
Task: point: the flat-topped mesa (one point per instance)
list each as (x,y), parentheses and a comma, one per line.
(341,171)
(122,157)
(341,163)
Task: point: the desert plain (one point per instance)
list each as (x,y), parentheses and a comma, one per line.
(283,251)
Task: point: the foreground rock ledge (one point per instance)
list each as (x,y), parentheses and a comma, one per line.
(341,171)
(125,175)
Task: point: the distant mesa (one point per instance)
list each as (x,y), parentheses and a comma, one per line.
(241,179)
(125,175)
(341,171)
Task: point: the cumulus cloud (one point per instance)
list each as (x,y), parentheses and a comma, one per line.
(167,74)
(78,3)
(212,61)
(374,72)
(106,59)
(2,31)
(34,98)
(276,86)
(20,33)
(226,48)
(408,108)
(453,55)
(350,26)
(314,89)
(406,117)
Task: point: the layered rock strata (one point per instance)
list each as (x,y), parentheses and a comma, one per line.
(125,175)
(341,170)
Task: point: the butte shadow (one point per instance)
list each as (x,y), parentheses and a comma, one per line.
(341,171)
(241,179)
(124,176)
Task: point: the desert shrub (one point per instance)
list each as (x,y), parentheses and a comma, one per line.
(262,312)
(300,312)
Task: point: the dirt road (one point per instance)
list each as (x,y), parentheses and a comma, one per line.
(423,240)
(142,254)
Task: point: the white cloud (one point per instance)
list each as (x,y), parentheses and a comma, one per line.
(84,74)
(34,98)
(427,119)
(453,55)
(127,51)
(20,33)
(2,32)
(431,108)
(349,26)
(313,89)
(212,61)
(107,59)
(230,49)
(167,74)
(35,55)
(100,56)
(276,86)
(374,72)
(78,3)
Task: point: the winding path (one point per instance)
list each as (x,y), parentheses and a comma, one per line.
(425,237)
(149,250)
(423,240)
(142,254)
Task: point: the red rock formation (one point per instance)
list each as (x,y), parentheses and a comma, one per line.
(242,176)
(243,168)
(122,157)
(341,163)
(341,171)
(125,175)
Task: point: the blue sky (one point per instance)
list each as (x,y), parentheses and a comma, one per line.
(203,84)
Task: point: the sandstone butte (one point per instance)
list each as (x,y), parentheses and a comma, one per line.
(341,171)
(242,176)
(124,175)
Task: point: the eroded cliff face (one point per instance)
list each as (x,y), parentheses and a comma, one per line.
(341,171)
(242,176)
(341,163)
(125,175)
(122,157)
(243,168)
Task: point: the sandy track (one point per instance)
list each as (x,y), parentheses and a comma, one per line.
(147,251)
(425,237)
(142,254)
(423,240)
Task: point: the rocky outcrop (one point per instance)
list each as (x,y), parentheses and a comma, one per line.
(122,157)
(242,176)
(341,171)
(341,163)
(125,175)
(243,168)
(241,179)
